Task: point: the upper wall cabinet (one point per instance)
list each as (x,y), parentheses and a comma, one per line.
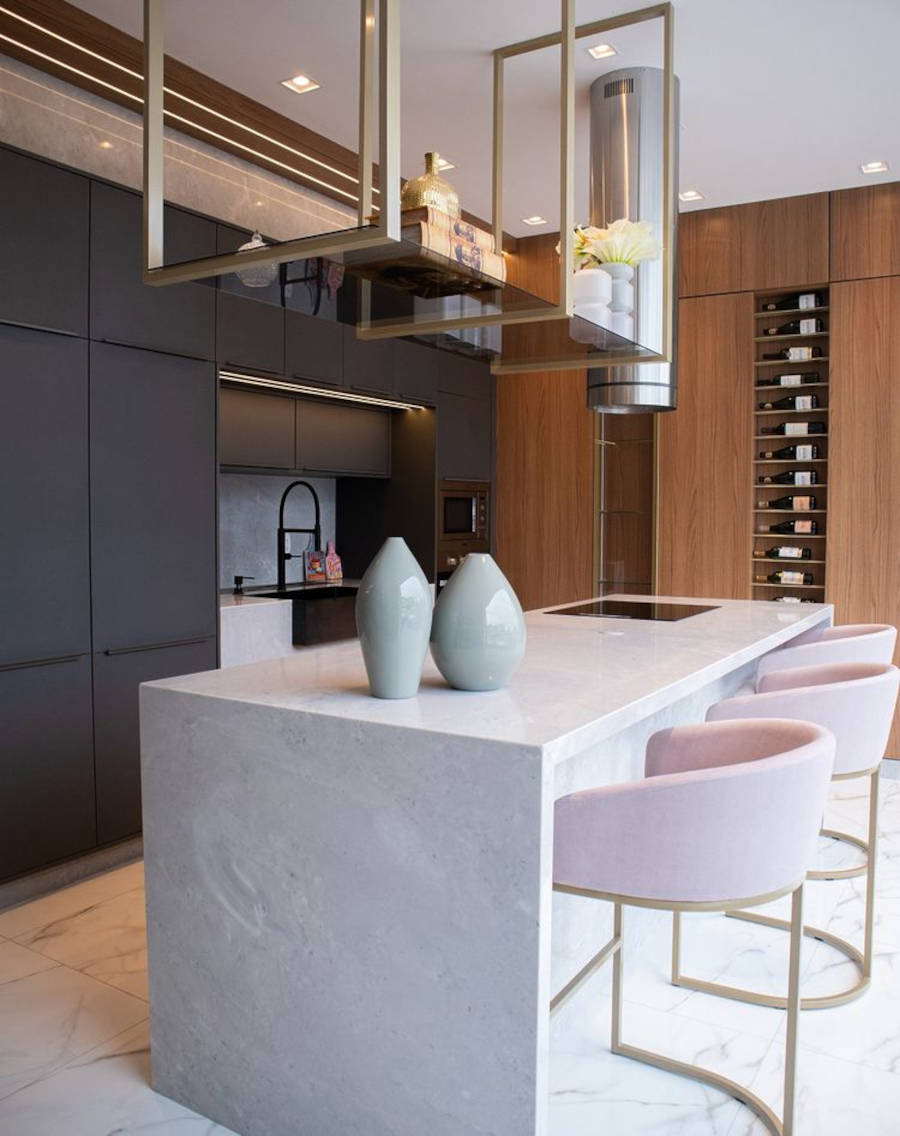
(44,237)
(746,248)
(179,318)
(334,438)
(256,429)
(415,372)
(368,364)
(313,349)
(249,321)
(462,376)
(865,232)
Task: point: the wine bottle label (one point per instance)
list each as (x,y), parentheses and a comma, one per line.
(803,402)
(803,477)
(789,380)
(799,354)
(791,577)
(790,552)
(796,427)
(802,502)
(804,453)
(807,327)
(803,527)
(807,300)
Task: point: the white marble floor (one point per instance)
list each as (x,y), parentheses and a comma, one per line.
(74,1055)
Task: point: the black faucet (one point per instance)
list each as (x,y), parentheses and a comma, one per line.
(282,555)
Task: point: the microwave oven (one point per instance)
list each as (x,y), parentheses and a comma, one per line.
(464,510)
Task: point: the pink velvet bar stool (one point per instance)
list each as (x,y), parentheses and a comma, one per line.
(726,818)
(851,643)
(856,702)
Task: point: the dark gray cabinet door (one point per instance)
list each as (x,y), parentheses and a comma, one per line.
(44,566)
(461,376)
(256,429)
(249,334)
(368,364)
(179,318)
(343,439)
(44,237)
(313,349)
(117,732)
(46,765)
(153,497)
(463,438)
(415,372)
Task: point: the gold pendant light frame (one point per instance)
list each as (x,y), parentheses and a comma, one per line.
(386,231)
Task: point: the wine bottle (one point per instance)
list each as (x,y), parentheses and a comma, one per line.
(790,477)
(796,327)
(793,303)
(796,527)
(783,552)
(795,354)
(798,380)
(792,402)
(795,428)
(794,579)
(800,504)
(791,453)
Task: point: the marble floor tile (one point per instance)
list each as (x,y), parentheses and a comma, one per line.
(53,1016)
(107,940)
(18,962)
(70,900)
(104,1091)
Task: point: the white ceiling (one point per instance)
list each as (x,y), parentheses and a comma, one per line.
(778,97)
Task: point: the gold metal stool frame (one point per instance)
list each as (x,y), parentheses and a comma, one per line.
(861,959)
(614,949)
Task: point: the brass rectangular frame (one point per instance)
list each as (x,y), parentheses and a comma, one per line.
(563,309)
(387,228)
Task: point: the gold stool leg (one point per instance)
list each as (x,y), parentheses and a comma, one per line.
(861,959)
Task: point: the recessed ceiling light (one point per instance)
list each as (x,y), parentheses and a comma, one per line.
(535,220)
(874,168)
(301,84)
(690,195)
(105,145)
(443,164)
(602,51)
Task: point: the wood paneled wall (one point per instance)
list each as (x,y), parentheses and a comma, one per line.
(705,453)
(543,475)
(865,232)
(745,248)
(864,464)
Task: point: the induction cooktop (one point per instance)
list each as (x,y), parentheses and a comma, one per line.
(633,609)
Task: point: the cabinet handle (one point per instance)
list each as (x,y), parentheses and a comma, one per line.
(374,391)
(38,662)
(157,646)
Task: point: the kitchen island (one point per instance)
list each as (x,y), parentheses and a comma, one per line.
(349,900)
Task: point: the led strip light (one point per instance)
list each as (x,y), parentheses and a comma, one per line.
(184,98)
(297,388)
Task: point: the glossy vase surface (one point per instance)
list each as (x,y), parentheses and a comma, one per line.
(393,620)
(591,293)
(478,630)
(622,289)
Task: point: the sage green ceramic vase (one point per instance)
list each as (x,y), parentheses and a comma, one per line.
(393,619)
(478,629)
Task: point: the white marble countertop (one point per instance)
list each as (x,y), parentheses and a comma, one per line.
(581,679)
(231,600)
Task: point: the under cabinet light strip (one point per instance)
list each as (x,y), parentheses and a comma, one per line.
(319,392)
(175,94)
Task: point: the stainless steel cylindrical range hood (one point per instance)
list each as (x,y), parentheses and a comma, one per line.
(627,180)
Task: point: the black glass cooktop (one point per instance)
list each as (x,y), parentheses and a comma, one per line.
(633,609)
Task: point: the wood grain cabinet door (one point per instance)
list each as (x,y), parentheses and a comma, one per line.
(705,454)
(863,568)
(865,231)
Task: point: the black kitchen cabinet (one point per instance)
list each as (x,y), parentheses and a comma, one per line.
(179,318)
(256,429)
(44,568)
(116,731)
(153,497)
(249,321)
(461,376)
(46,765)
(463,438)
(313,349)
(335,438)
(368,364)
(44,226)
(415,372)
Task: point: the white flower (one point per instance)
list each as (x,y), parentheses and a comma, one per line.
(624,241)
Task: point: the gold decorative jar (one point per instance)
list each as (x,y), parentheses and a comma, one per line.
(430,190)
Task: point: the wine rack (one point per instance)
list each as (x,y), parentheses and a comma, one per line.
(774,478)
